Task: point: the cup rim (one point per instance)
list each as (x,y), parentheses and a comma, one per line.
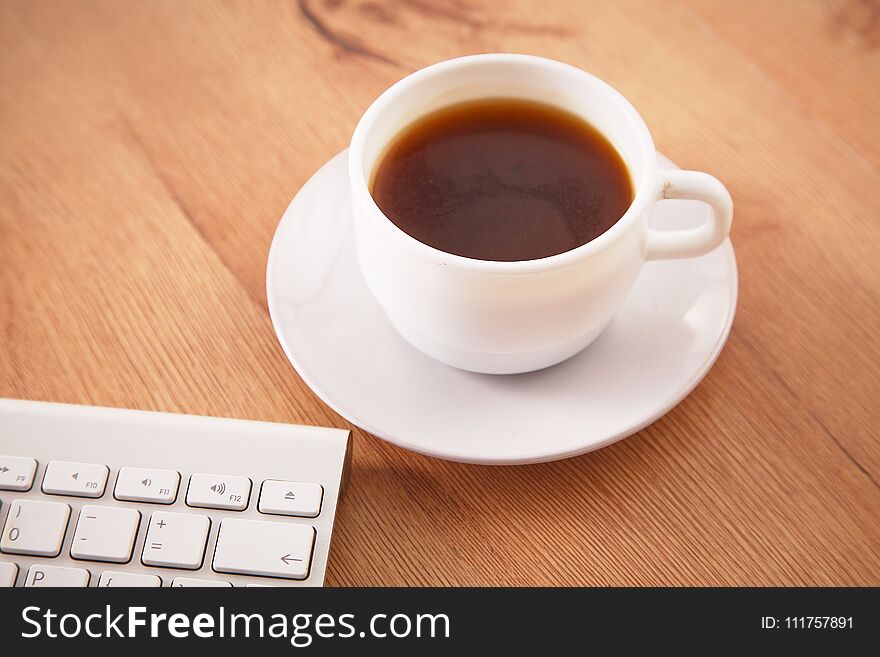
(644,193)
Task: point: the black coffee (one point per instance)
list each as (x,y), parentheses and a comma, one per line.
(502,179)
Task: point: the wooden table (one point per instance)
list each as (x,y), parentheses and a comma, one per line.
(148,150)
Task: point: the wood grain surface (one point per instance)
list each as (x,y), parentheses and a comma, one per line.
(148,150)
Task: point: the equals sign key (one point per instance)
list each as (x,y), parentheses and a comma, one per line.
(176,540)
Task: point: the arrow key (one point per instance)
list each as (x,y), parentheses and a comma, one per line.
(270,549)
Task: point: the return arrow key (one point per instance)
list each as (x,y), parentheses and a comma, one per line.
(258,547)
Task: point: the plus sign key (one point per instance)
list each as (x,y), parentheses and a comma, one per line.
(176,540)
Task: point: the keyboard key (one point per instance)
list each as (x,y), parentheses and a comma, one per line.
(105,533)
(8,573)
(40,575)
(258,547)
(75,479)
(146,485)
(34,527)
(17,473)
(189,582)
(218,492)
(290,498)
(176,540)
(117,578)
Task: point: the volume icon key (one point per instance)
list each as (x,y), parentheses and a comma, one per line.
(75,479)
(210,491)
(147,485)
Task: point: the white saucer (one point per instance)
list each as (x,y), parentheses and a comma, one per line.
(659,346)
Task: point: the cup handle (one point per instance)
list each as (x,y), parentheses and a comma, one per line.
(691,242)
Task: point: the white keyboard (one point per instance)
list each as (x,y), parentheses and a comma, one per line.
(107,497)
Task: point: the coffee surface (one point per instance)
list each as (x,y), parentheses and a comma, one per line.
(502,179)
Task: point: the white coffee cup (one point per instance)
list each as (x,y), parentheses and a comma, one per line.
(508,317)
